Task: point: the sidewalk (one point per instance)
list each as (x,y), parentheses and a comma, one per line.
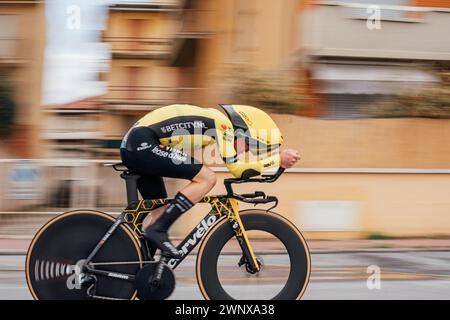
(20,246)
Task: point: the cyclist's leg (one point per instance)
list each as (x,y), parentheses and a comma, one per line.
(151,187)
(200,185)
(149,158)
(163,161)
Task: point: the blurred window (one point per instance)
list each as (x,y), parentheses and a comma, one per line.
(350,106)
(8,26)
(8,35)
(245,25)
(132,76)
(135,26)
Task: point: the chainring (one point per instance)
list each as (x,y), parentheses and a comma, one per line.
(147,290)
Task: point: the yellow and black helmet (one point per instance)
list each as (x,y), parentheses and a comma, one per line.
(255,126)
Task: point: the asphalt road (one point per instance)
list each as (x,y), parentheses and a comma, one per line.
(403,275)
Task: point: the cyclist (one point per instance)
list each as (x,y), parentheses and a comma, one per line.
(153,147)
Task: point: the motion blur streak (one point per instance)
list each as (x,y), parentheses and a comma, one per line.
(352,84)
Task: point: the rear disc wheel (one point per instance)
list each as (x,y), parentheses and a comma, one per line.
(58,250)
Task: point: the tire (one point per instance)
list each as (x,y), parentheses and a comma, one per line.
(216,238)
(69,238)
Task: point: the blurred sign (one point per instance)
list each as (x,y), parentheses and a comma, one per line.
(328,215)
(24,181)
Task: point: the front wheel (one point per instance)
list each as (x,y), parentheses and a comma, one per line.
(281,251)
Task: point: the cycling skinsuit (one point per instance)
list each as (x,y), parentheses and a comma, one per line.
(153,146)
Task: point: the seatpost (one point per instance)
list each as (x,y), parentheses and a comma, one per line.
(131,186)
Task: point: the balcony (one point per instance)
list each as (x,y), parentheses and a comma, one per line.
(11,50)
(197,21)
(136,47)
(69,127)
(140,97)
(340,29)
(197,24)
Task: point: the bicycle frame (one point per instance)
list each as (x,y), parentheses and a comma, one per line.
(221,207)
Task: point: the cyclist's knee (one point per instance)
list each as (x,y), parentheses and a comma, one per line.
(207,177)
(212,179)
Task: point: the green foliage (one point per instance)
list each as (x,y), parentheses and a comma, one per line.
(378,236)
(275,91)
(7,107)
(431,101)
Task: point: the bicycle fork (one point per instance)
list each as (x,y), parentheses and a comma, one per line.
(241,235)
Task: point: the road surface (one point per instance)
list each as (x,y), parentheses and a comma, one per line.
(404,275)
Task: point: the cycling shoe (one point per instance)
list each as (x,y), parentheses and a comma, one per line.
(160,240)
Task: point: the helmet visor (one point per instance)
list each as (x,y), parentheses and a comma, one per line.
(256,146)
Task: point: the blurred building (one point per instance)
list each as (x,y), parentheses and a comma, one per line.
(140,36)
(216,34)
(175,52)
(356,177)
(355,60)
(22,43)
(72,130)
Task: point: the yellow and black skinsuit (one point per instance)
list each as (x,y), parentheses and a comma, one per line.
(153,146)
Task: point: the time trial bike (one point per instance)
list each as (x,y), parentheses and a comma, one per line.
(247,254)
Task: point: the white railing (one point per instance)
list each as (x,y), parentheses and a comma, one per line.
(33,191)
(26,185)
(382,6)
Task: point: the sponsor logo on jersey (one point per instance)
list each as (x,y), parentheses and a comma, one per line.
(169,152)
(227,132)
(228,136)
(184,126)
(144,145)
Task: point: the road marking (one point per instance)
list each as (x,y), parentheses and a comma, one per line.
(431,275)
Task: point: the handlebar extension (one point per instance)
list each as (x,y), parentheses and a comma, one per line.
(257,194)
(251,197)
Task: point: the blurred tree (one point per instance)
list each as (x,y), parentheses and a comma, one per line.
(276,91)
(430,102)
(7,107)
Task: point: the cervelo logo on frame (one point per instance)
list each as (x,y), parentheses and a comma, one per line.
(191,242)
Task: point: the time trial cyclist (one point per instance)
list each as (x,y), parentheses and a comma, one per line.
(154,148)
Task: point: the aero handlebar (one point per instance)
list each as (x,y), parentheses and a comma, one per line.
(264,179)
(257,197)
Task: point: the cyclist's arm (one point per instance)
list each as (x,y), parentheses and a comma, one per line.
(225,142)
(253,168)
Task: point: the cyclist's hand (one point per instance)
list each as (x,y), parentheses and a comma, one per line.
(288,157)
